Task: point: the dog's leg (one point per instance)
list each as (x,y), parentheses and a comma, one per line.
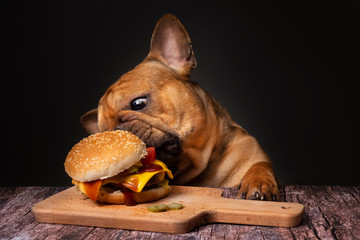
(259,183)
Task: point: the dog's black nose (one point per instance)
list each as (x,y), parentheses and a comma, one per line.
(169,148)
(172,146)
(119,127)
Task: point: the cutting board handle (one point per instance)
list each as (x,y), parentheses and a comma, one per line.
(250,212)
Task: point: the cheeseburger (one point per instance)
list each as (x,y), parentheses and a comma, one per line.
(116,167)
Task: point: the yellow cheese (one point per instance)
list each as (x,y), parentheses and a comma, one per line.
(91,189)
(135,182)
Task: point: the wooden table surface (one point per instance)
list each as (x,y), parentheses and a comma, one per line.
(331,212)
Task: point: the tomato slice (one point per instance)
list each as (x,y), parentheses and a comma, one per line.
(150,157)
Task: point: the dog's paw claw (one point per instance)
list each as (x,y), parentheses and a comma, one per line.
(263,196)
(274,197)
(263,190)
(256,196)
(243,195)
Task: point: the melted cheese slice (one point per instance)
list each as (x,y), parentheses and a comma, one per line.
(135,182)
(91,189)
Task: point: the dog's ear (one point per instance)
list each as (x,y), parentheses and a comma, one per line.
(89,121)
(171,45)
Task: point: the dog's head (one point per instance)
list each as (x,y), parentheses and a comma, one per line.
(155,101)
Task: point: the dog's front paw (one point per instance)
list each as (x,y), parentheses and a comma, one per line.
(259,189)
(259,184)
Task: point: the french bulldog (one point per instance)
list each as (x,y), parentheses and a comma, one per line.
(190,130)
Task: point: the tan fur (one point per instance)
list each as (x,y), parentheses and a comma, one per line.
(192,132)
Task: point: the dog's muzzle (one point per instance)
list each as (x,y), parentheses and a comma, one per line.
(167,145)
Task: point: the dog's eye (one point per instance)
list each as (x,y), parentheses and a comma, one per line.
(139,103)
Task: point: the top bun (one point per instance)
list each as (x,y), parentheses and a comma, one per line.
(103,155)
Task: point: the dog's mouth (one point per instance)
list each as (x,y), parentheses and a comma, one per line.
(168,150)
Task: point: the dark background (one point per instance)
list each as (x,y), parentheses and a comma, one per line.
(288,73)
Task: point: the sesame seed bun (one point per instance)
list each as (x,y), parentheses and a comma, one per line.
(103,155)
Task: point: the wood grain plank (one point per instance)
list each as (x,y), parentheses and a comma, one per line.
(70,232)
(331,212)
(17,219)
(8,193)
(14,214)
(104,233)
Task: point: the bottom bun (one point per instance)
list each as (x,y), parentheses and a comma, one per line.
(147,195)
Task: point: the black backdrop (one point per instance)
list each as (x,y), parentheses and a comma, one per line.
(287,73)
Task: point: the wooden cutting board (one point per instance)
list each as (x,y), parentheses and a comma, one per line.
(201,206)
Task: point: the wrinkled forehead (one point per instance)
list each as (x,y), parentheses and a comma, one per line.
(146,78)
(119,95)
(130,86)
